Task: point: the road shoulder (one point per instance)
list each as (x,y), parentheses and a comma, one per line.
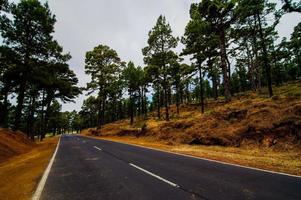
(21,174)
(263,159)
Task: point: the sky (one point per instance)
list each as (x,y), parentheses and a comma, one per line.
(123,25)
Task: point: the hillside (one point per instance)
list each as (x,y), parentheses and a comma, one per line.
(248,120)
(13,144)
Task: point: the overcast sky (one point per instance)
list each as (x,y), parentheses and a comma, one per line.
(123,25)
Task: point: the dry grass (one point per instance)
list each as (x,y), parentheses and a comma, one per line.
(20,174)
(250,119)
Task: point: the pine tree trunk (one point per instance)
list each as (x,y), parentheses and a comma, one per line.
(201,87)
(257,71)
(181,95)
(99,122)
(145,103)
(166,99)
(142,101)
(4,111)
(229,75)
(42,114)
(265,57)
(214,86)
(45,125)
(30,121)
(131,109)
(139,103)
(102,118)
(177,99)
(19,108)
(224,65)
(158,102)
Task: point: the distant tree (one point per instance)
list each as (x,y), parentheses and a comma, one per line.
(76,122)
(4,5)
(144,81)
(104,66)
(202,42)
(291,6)
(152,72)
(54,118)
(159,54)
(295,46)
(60,83)
(259,13)
(88,112)
(131,78)
(256,36)
(179,75)
(208,29)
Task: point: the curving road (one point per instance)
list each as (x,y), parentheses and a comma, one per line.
(86,168)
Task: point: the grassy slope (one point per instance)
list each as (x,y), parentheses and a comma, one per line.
(22,165)
(267,131)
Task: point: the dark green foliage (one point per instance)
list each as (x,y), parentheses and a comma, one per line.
(159,56)
(290,6)
(134,82)
(104,66)
(33,67)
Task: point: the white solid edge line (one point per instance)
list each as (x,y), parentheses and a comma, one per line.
(97,148)
(207,159)
(39,190)
(154,175)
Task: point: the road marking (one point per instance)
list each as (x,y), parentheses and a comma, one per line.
(97,148)
(206,159)
(154,175)
(39,190)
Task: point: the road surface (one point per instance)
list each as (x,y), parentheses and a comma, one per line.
(86,168)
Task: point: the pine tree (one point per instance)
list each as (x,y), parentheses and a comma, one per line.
(28,33)
(104,66)
(159,54)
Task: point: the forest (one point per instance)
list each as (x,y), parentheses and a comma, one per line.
(233,46)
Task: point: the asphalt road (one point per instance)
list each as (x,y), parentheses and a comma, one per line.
(87,168)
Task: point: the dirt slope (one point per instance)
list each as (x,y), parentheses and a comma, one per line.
(13,143)
(21,174)
(249,120)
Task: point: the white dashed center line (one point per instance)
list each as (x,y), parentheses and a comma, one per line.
(154,175)
(97,148)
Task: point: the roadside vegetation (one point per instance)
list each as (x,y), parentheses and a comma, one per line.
(249,119)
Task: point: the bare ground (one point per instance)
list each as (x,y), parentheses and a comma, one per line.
(20,174)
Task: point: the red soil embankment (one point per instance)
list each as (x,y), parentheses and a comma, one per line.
(13,144)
